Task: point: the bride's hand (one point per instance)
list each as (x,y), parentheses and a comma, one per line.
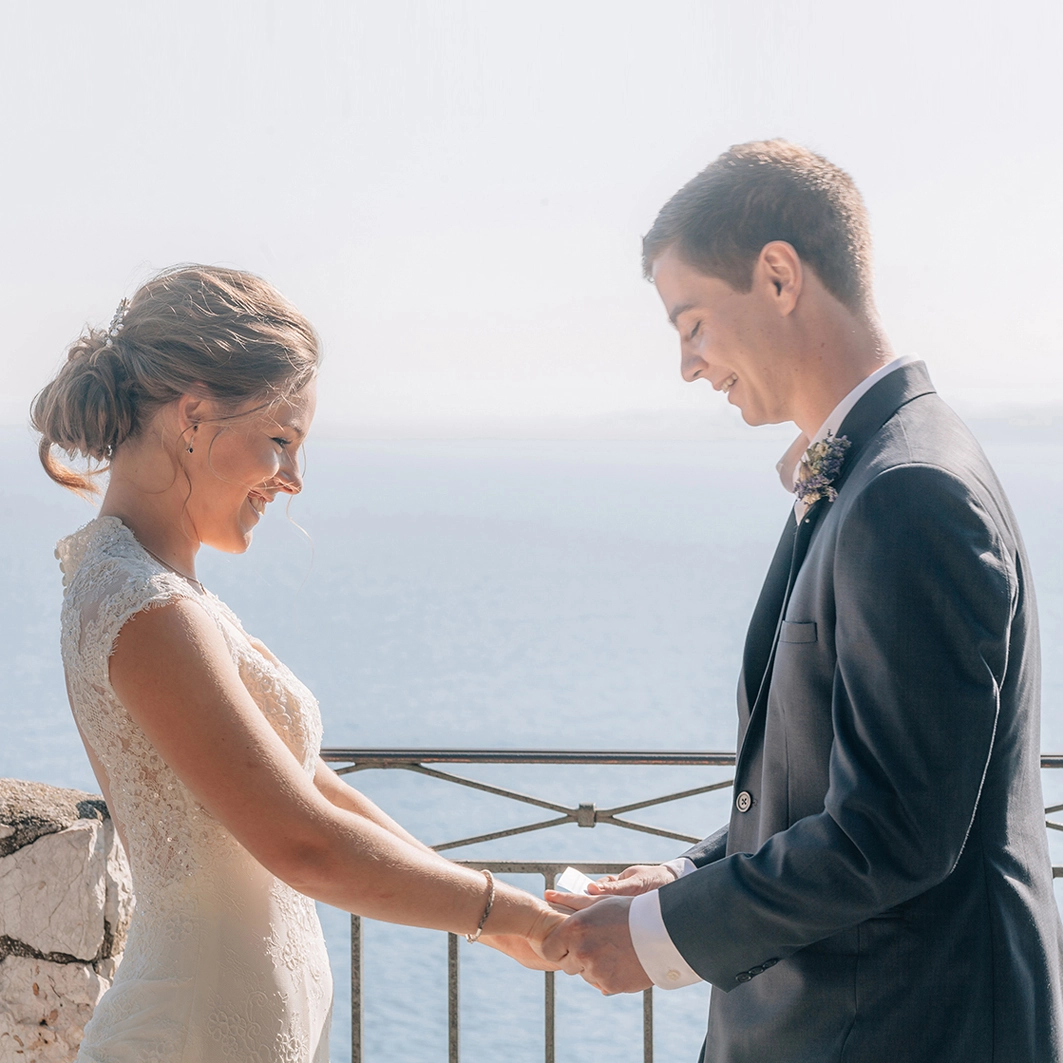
(526,949)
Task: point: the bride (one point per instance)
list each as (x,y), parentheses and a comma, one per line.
(197,399)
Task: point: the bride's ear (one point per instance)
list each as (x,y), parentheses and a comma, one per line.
(193,408)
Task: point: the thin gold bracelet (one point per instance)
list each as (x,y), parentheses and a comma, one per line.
(487,908)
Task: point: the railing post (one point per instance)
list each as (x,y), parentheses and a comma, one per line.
(357,1043)
(550,1012)
(452,998)
(550,999)
(647,1025)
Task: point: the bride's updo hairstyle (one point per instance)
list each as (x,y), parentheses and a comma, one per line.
(188,330)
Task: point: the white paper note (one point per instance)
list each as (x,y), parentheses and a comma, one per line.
(573,881)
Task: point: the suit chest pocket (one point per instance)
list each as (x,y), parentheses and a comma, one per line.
(798,631)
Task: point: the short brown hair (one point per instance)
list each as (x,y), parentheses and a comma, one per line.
(763,191)
(188,329)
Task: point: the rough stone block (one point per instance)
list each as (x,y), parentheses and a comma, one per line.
(118,907)
(30,810)
(44,1008)
(53,892)
(66,898)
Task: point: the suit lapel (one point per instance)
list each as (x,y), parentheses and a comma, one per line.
(866,418)
(760,647)
(765,620)
(860,426)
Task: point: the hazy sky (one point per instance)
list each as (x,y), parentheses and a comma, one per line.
(454,192)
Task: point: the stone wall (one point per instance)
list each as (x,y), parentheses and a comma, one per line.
(65,903)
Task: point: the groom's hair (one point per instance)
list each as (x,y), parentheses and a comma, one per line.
(762,191)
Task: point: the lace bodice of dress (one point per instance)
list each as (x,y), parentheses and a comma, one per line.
(108,577)
(224,961)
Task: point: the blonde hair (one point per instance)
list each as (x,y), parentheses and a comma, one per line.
(189,329)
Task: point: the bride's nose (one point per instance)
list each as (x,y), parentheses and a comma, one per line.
(289,478)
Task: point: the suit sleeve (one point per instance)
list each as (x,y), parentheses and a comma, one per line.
(925,592)
(714,847)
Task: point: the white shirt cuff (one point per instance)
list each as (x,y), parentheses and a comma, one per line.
(660,959)
(681,866)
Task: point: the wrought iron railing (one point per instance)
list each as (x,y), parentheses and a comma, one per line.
(584,814)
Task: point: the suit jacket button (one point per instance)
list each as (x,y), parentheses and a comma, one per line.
(744,801)
(745,976)
(769,963)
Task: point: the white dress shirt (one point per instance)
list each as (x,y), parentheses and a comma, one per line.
(660,959)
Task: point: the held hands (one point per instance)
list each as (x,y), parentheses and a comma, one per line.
(527,948)
(595,942)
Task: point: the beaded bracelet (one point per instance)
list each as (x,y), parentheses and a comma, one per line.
(487,908)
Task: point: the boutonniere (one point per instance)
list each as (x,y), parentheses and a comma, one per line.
(819,469)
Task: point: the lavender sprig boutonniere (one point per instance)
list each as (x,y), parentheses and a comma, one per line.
(819,469)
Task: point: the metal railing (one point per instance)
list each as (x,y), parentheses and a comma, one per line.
(583,814)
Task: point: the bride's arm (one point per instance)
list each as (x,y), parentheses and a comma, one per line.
(334,789)
(344,796)
(173,673)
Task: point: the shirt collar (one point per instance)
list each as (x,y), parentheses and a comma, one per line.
(790,462)
(834,419)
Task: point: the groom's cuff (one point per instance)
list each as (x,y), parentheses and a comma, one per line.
(681,866)
(660,959)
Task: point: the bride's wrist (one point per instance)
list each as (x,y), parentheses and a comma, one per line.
(540,919)
(519,913)
(488,906)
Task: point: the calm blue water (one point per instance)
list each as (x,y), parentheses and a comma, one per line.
(549,594)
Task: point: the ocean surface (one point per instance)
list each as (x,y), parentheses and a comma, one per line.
(539,593)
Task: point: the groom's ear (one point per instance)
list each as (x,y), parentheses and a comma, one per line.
(779,272)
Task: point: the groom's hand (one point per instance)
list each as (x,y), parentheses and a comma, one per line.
(641,878)
(596,944)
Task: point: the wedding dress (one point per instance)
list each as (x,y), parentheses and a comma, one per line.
(223,961)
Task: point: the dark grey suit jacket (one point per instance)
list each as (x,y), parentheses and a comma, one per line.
(883,891)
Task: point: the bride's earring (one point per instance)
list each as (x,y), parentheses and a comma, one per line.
(195,428)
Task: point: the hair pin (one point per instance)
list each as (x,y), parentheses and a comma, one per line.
(117,322)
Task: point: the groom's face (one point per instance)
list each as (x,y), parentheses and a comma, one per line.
(727,338)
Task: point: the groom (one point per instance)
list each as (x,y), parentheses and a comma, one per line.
(883,890)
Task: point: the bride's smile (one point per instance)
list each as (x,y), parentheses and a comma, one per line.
(240,463)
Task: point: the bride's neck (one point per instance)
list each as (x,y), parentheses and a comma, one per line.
(148,493)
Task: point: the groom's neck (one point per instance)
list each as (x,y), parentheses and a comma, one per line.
(832,350)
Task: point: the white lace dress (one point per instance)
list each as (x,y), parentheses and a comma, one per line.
(224,961)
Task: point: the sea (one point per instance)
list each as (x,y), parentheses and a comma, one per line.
(515,592)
